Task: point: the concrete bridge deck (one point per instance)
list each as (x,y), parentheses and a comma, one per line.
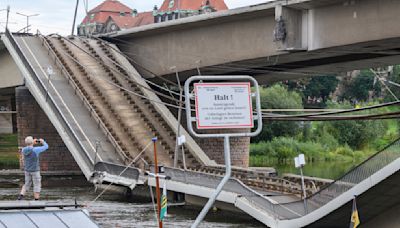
(249,191)
(320,37)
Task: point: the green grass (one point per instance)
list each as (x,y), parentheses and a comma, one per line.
(9,151)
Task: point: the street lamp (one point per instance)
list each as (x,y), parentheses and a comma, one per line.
(27,19)
(299,163)
(8,12)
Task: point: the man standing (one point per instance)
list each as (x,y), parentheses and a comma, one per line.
(32,166)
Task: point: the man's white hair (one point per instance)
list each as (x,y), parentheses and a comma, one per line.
(29,140)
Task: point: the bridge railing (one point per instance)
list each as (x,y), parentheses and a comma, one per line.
(234,186)
(355,176)
(51,102)
(86,103)
(363,171)
(293,209)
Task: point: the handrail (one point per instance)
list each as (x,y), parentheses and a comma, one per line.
(354,168)
(43,89)
(234,185)
(353,177)
(84,99)
(116,71)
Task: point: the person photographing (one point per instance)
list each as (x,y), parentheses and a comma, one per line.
(31,154)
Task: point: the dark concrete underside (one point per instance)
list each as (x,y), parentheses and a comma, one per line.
(374,202)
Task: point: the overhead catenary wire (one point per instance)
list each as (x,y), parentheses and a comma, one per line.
(265,116)
(381,81)
(275,57)
(135,62)
(234,67)
(301,117)
(116,71)
(390,115)
(347,110)
(123,67)
(289,69)
(122,88)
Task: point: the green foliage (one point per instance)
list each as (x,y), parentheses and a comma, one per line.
(284,149)
(326,139)
(278,97)
(321,86)
(8,151)
(394,77)
(360,86)
(325,142)
(356,134)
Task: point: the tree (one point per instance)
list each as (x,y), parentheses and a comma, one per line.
(394,77)
(278,97)
(360,86)
(321,86)
(356,134)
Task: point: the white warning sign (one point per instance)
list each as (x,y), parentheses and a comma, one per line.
(223,105)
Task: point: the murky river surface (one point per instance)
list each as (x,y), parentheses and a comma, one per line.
(114,210)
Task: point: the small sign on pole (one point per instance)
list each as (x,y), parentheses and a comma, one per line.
(223,105)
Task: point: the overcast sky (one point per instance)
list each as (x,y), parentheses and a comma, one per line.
(56,16)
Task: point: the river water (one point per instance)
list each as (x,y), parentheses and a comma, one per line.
(114,210)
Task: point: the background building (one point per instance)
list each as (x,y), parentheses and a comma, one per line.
(174,9)
(112,15)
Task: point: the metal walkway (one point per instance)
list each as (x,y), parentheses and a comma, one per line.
(71,78)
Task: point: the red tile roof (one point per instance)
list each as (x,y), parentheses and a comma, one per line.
(140,19)
(192,5)
(111,6)
(106,9)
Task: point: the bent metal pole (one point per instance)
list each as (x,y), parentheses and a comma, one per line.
(160,225)
(217,191)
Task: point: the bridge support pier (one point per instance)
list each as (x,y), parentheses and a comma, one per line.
(214,148)
(31,120)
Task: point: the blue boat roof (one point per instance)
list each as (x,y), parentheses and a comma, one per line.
(46,218)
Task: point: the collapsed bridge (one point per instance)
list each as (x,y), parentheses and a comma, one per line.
(91,93)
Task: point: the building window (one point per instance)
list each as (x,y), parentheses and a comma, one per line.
(122,14)
(113,27)
(171,3)
(92,16)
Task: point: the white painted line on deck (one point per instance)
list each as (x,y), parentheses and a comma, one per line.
(70,113)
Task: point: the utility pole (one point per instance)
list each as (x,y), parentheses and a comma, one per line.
(76,11)
(27,19)
(8,13)
(299,163)
(160,224)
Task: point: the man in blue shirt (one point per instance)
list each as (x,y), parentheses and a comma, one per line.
(32,166)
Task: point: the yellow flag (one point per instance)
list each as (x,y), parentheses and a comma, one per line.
(355,220)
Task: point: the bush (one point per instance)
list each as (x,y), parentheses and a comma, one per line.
(278,97)
(344,151)
(313,151)
(282,150)
(261,148)
(356,134)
